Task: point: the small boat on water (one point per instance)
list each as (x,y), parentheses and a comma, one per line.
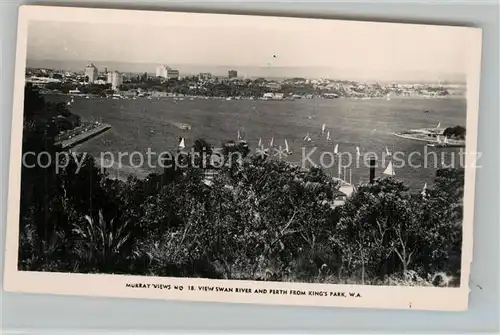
(424,190)
(328,136)
(336,149)
(358,152)
(389,170)
(388,153)
(287,149)
(307,138)
(182,144)
(323,127)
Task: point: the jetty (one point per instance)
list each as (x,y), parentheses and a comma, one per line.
(82,135)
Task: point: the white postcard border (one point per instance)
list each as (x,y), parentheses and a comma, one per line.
(394,297)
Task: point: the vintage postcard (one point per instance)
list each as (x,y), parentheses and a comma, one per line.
(240,158)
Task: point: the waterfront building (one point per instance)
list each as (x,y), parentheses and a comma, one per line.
(91,73)
(115,78)
(232,74)
(167,72)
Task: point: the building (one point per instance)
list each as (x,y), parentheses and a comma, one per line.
(91,73)
(273,96)
(115,78)
(166,72)
(232,74)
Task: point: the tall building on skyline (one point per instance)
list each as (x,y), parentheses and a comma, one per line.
(165,71)
(91,72)
(115,78)
(232,74)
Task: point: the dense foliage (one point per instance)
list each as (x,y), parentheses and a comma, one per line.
(457,132)
(259,219)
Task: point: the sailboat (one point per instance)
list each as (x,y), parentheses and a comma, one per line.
(439,125)
(424,190)
(389,170)
(287,149)
(307,138)
(323,128)
(271,143)
(239,136)
(358,152)
(328,136)
(389,97)
(260,143)
(387,151)
(182,145)
(336,149)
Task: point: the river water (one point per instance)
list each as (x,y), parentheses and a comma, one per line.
(368,124)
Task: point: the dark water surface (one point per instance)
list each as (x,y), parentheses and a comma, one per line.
(141,124)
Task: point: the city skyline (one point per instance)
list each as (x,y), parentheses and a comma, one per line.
(411,52)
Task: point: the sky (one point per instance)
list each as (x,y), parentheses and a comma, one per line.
(343,49)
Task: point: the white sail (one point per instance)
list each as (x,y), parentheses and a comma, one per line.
(323,128)
(389,170)
(306,137)
(424,190)
(336,150)
(358,152)
(286,146)
(239,135)
(439,125)
(328,136)
(182,145)
(260,142)
(387,151)
(272,142)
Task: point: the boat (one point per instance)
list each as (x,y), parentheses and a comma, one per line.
(424,190)
(323,128)
(260,143)
(389,170)
(182,144)
(387,151)
(336,149)
(287,149)
(185,126)
(358,152)
(328,136)
(307,138)
(271,143)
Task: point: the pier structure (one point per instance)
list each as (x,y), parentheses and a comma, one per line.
(83,136)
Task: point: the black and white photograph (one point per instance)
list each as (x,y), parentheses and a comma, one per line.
(293,160)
